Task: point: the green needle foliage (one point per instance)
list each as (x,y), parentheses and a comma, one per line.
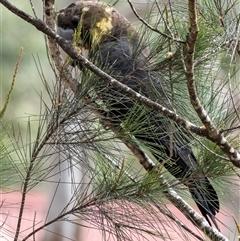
(77,137)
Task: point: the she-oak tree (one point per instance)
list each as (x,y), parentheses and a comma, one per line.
(182,61)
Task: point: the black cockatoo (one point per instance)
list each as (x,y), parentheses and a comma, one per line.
(115,46)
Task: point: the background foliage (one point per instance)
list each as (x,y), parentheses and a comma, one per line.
(34,97)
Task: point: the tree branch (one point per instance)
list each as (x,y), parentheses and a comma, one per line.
(148,164)
(176,200)
(213,133)
(170,193)
(215,136)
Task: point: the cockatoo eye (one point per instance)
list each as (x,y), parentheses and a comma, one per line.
(75,20)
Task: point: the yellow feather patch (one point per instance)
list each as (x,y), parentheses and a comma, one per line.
(85,9)
(101,28)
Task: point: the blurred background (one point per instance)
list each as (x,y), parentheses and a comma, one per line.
(25,101)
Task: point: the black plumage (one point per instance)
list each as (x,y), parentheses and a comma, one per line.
(113,46)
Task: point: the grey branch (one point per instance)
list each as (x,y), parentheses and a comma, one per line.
(214,136)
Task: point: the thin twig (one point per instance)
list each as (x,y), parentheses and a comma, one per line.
(65,75)
(13,82)
(236,44)
(176,220)
(237,225)
(33,9)
(151,27)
